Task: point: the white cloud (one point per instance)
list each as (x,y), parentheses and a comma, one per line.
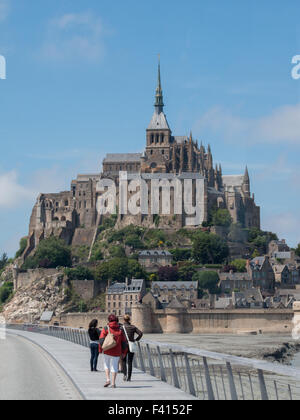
(11,192)
(74,36)
(282,125)
(4,9)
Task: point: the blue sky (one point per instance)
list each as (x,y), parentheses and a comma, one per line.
(81,77)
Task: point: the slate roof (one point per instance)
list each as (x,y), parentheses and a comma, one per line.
(136,285)
(234,276)
(175,304)
(158,122)
(233,180)
(258,261)
(122,157)
(116,288)
(178,284)
(180,139)
(154,253)
(47,316)
(282,255)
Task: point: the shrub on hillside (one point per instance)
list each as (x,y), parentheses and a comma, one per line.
(207,280)
(50,253)
(209,248)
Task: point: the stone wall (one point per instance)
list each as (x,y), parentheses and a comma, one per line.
(174,321)
(28,277)
(86,289)
(81,320)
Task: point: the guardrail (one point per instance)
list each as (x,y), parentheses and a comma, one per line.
(203,374)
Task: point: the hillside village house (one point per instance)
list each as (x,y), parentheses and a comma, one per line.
(282,274)
(121,296)
(165,291)
(261,273)
(152,260)
(234,281)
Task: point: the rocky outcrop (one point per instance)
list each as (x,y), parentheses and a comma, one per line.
(29,302)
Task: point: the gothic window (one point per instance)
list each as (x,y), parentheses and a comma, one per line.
(162,138)
(152,138)
(157,138)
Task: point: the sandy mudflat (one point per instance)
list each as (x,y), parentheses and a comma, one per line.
(269,347)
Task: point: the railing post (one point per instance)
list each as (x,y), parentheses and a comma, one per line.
(141,358)
(161,364)
(189,375)
(233,392)
(210,391)
(174,371)
(152,371)
(262,385)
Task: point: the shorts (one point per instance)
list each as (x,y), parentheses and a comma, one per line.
(111,363)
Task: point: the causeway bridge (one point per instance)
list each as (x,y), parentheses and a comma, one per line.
(47,362)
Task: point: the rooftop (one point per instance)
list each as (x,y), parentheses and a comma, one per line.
(122,157)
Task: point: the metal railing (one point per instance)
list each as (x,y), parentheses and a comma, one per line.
(203,374)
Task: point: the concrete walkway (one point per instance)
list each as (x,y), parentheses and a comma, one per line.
(74,360)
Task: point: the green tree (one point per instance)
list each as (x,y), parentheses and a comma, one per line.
(115,269)
(181,254)
(3,261)
(255,253)
(6,292)
(297,250)
(79,273)
(240,265)
(221,217)
(209,248)
(135,270)
(117,252)
(186,272)
(50,253)
(22,247)
(207,280)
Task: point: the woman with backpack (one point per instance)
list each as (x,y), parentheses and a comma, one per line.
(114,345)
(94,334)
(130,331)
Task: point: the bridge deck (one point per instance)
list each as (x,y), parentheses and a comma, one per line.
(74,359)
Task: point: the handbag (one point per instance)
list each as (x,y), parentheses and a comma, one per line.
(110,342)
(131,344)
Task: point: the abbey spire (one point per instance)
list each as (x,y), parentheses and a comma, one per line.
(159,120)
(159,100)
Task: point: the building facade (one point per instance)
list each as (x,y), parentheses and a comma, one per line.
(154,259)
(166,291)
(120,297)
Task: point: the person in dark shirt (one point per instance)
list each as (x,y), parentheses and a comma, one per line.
(94,334)
(130,332)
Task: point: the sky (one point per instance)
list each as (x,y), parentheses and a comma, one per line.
(80,83)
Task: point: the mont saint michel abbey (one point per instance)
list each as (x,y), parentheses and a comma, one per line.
(72,215)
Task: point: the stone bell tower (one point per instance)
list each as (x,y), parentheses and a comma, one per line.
(158,136)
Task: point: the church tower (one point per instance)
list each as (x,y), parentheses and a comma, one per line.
(158,135)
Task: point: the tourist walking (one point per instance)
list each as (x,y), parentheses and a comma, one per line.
(130,331)
(94,334)
(114,345)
